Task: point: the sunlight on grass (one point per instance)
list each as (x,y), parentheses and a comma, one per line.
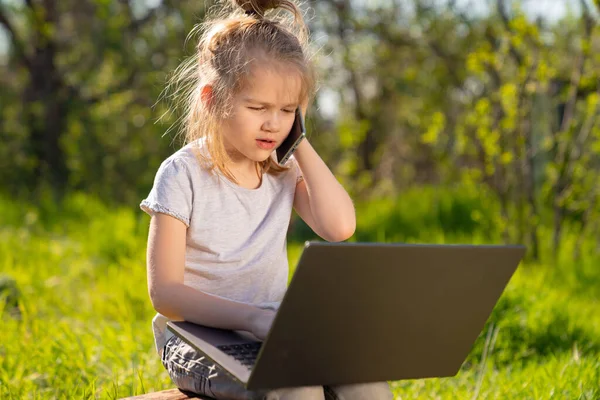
(82,327)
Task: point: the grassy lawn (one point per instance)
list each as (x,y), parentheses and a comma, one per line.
(82,329)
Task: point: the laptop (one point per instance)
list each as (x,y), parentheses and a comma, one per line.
(367,312)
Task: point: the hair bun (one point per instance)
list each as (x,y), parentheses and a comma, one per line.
(258,7)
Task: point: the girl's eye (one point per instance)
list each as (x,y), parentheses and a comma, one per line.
(257,108)
(289,111)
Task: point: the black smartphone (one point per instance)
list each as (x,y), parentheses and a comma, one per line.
(293,139)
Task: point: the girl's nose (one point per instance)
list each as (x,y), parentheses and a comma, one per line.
(273,122)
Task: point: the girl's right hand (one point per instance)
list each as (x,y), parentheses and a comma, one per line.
(260,322)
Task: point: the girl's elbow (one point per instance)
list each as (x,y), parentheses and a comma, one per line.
(166,310)
(157,301)
(343,232)
(161,303)
(348,232)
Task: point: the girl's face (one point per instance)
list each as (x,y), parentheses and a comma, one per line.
(262,115)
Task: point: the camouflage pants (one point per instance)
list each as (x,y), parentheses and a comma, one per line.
(193,372)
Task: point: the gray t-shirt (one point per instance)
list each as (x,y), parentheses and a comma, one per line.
(236,237)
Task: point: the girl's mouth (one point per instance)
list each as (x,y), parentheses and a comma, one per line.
(265,144)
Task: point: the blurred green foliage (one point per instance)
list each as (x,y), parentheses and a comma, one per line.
(426,94)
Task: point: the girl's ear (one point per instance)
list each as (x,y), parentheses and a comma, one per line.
(304,106)
(206,95)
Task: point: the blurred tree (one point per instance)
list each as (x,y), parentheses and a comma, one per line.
(392,67)
(574,169)
(79,67)
(430,94)
(528,132)
(426,92)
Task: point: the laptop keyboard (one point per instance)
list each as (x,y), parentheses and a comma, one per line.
(245,353)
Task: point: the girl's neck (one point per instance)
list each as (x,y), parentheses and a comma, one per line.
(242,164)
(247,174)
(247,179)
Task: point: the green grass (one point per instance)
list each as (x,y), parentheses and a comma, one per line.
(82,327)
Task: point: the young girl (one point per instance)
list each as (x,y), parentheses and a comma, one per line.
(221,205)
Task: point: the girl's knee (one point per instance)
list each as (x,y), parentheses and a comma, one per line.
(300,393)
(361,391)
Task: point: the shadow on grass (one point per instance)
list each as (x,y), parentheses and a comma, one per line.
(527,333)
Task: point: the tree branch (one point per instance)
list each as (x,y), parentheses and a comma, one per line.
(566,147)
(132,29)
(578,145)
(449,60)
(18,45)
(574,88)
(30,4)
(506,21)
(137,24)
(117,88)
(595,5)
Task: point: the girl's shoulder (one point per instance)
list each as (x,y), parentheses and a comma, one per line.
(175,185)
(187,157)
(183,169)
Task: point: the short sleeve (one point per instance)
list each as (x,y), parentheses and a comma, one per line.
(172,192)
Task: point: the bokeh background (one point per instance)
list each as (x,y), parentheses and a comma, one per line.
(448,121)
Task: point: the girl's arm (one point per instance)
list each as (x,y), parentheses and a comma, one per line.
(176,301)
(320,199)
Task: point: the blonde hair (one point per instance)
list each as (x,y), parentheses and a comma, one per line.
(239,36)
